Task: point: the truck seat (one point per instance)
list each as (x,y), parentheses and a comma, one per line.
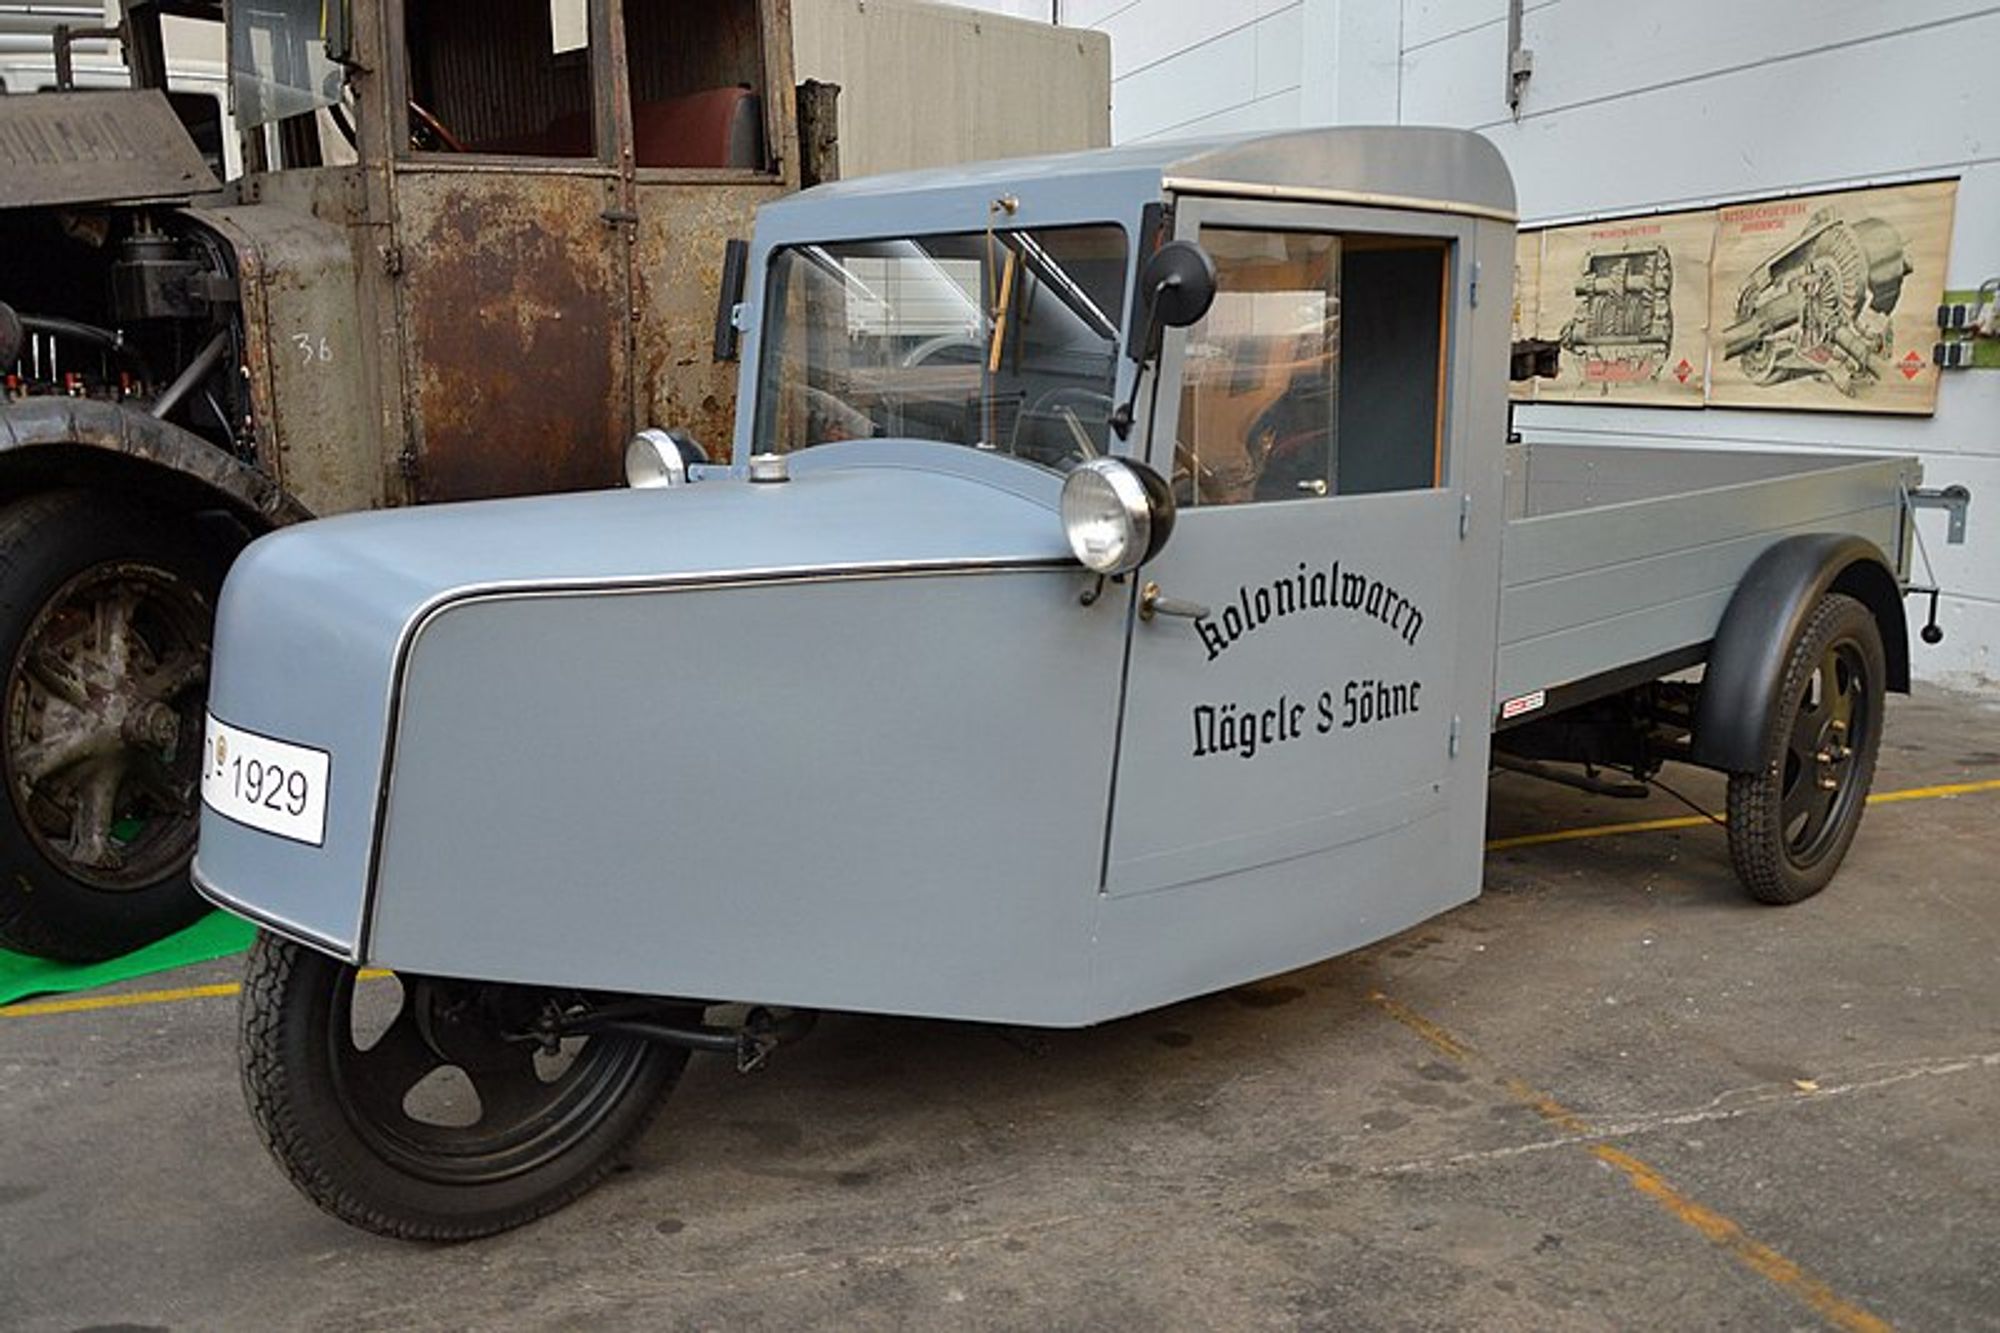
(718,127)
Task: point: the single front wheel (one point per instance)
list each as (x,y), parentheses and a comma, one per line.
(1790,822)
(425,1108)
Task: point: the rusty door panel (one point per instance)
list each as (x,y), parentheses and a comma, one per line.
(516,331)
(677,274)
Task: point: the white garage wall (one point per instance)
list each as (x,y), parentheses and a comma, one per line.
(1632,108)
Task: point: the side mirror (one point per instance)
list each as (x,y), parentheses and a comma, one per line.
(1176,288)
(657,457)
(1117,514)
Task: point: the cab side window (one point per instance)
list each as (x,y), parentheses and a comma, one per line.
(507,77)
(1318,371)
(696,70)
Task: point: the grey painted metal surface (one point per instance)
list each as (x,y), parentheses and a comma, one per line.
(1222,867)
(1616,555)
(314,621)
(1447,170)
(892,800)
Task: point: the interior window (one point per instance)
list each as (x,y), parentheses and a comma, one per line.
(1318,371)
(697,80)
(499,76)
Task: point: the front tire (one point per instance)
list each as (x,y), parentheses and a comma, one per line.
(402,1106)
(106,615)
(1791,821)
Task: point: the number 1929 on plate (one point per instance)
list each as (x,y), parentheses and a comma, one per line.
(268,784)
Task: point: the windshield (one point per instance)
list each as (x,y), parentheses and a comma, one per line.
(278,65)
(1004,341)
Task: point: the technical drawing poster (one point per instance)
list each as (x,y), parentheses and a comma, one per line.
(1527,300)
(1829,301)
(1628,301)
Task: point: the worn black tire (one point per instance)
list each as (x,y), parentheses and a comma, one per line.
(46,541)
(292,1018)
(1785,840)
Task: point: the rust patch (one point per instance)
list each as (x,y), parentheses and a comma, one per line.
(677,271)
(513,297)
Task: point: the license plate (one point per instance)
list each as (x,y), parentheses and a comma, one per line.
(268,784)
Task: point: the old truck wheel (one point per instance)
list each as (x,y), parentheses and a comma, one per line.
(1791,821)
(105,618)
(411,1106)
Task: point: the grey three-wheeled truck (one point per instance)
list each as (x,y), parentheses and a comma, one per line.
(1124,591)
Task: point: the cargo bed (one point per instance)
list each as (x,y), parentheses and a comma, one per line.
(1619,562)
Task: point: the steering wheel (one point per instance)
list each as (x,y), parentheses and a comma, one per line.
(1064,410)
(431,125)
(830,418)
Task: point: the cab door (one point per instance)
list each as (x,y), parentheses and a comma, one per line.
(510,249)
(1293,703)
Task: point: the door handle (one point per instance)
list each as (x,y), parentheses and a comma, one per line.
(1151,604)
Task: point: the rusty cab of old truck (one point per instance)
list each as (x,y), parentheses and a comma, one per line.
(477,244)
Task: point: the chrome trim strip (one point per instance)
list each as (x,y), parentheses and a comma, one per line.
(270,921)
(1316,195)
(655,583)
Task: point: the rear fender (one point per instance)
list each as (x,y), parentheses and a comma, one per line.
(1765,616)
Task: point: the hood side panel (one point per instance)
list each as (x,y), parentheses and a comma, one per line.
(316,621)
(863,793)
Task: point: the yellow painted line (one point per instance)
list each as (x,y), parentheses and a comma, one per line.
(1696,821)
(138,997)
(90,1002)
(1745,1249)
(1596,831)
(1720,1231)
(1932,793)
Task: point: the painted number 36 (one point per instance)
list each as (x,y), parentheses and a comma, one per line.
(311,350)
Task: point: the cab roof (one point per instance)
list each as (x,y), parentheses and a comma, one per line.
(1401,166)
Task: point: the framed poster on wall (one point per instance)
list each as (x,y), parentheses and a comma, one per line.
(1628,301)
(1527,302)
(1828,302)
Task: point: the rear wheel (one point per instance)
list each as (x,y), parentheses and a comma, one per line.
(417,1107)
(1791,821)
(106,612)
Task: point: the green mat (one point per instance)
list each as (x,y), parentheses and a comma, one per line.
(214,936)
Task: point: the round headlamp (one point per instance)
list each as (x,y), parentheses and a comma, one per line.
(657,457)
(1116,514)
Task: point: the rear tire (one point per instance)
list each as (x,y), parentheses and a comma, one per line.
(106,616)
(1791,821)
(432,1126)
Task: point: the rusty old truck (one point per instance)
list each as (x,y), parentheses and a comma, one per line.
(475,246)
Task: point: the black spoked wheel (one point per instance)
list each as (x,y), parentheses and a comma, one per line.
(1791,822)
(105,619)
(421,1108)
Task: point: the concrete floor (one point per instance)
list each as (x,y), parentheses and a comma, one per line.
(1611,1093)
